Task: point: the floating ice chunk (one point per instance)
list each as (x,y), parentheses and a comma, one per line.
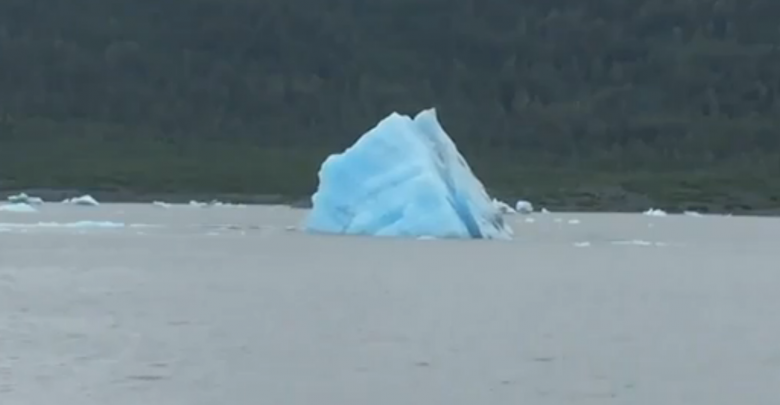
(574,222)
(692,214)
(217,203)
(581,244)
(84,200)
(23,198)
(653,212)
(545,211)
(77,224)
(639,242)
(503,207)
(404,177)
(199,204)
(161,204)
(18,207)
(524,207)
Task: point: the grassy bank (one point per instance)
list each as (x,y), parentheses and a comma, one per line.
(131,169)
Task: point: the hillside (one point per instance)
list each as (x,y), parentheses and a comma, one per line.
(584,104)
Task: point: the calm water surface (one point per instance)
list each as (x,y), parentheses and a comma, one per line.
(226,305)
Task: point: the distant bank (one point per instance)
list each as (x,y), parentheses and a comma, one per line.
(596,199)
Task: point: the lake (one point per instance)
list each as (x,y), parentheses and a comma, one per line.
(147,305)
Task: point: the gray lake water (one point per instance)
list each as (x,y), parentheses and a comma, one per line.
(225,305)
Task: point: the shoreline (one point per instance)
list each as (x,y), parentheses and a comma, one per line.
(129,196)
(637,204)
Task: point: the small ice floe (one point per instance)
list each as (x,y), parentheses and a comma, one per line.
(653,212)
(23,198)
(217,203)
(638,242)
(18,207)
(692,214)
(85,201)
(161,204)
(503,207)
(524,207)
(581,244)
(426,237)
(212,203)
(544,211)
(574,221)
(530,220)
(77,224)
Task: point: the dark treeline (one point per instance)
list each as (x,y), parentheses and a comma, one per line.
(639,84)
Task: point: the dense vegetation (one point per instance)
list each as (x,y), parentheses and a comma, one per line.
(590,103)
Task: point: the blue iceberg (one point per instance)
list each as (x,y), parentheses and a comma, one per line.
(404,177)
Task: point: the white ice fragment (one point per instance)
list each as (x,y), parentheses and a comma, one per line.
(574,221)
(85,201)
(161,204)
(636,242)
(653,212)
(503,207)
(524,207)
(77,224)
(23,198)
(692,214)
(18,208)
(582,244)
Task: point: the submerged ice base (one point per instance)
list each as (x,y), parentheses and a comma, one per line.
(404,177)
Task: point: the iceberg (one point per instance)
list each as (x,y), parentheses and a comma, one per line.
(18,207)
(85,200)
(524,207)
(503,207)
(404,178)
(23,198)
